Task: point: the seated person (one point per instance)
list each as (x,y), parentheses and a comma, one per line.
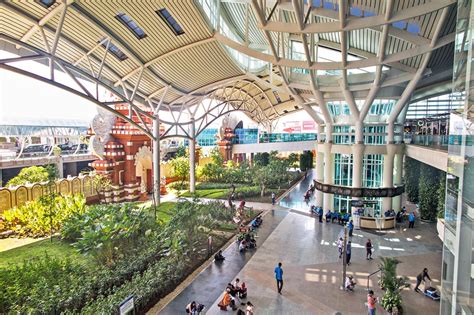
(259,220)
(243,228)
(243,291)
(231,289)
(252,243)
(387,213)
(328,216)
(242,246)
(340,218)
(254,223)
(191,308)
(237,285)
(350,283)
(227,300)
(219,256)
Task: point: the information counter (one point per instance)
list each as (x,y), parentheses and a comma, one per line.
(377,223)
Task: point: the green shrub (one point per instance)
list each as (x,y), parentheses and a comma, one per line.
(151,267)
(146,288)
(42,216)
(261,159)
(34,174)
(306,160)
(441,195)
(412,179)
(179,185)
(428,192)
(106,231)
(42,286)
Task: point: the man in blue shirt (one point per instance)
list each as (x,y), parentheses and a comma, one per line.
(350,227)
(279,277)
(411,220)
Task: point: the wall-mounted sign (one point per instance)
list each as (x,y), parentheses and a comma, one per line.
(359,192)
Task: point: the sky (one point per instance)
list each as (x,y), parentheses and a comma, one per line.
(26,101)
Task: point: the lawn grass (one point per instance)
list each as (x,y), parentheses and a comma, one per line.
(216,193)
(56,248)
(61,249)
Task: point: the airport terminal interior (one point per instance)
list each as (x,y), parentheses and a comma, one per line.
(236,157)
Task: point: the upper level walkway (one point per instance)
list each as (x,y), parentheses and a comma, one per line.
(43,160)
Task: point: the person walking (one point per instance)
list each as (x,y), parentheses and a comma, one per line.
(368,249)
(340,245)
(371,300)
(279,277)
(422,277)
(348,253)
(411,220)
(273,198)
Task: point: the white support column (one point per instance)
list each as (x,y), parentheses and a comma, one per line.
(387,180)
(328,199)
(397,201)
(357,167)
(192,157)
(60,165)
(156,160)
(319,174)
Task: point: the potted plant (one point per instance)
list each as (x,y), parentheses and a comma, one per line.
(393,285)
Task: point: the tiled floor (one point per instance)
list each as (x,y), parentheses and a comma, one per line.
(207,286)
(312,269)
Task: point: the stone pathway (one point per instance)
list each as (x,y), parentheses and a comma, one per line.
(209,284)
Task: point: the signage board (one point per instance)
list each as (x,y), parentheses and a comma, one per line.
(127,306)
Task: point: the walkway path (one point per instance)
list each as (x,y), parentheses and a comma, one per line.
(208,285)
(312,270)
(295,198)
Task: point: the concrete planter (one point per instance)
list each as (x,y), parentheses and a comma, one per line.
(440,228)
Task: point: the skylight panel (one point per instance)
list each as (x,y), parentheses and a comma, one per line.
(328,5)
(131,25)
(355,11)
(413,28)
(169,19)
(47,3)
(400,24)
(114,50)
(369,13)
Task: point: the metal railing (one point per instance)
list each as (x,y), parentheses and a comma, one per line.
(368,278)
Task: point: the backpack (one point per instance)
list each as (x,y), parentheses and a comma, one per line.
(240,312)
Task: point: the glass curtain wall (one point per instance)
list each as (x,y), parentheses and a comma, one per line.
(373,177)
(457,281)
(343,164)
